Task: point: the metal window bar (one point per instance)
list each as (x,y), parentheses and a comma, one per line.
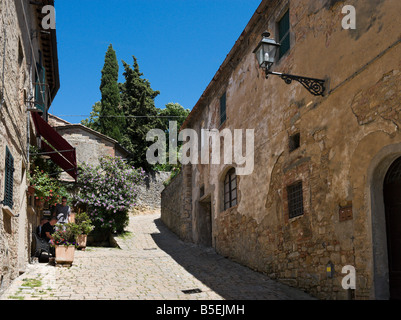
(230,189)
(9,180)
(295,200)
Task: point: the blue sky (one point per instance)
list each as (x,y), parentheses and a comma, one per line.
(179,44)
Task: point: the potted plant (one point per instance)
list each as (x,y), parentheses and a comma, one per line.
(85,227)
(47,190)
(65,242)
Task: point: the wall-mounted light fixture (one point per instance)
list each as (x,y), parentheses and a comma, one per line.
(266,53)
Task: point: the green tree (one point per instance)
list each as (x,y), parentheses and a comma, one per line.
(173,112)
(93,121)
(111,118)
(137,100)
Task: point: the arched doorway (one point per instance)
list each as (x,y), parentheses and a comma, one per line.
(392,202)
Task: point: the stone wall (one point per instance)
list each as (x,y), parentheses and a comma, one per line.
(16,224)
(149,192)
(89,145)
(348,139)
(176,204)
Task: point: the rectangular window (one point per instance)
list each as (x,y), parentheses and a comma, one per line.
(295,200)
(230,189)
(284,33)
(223,116)
(295,142)
(9,180)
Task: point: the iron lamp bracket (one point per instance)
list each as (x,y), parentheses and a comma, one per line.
(314,86)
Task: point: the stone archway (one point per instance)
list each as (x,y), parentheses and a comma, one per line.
(377,172)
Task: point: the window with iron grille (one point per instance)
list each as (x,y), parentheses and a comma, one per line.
(230,189)
(284,34)
(223,116)
(9,180)
(295,200)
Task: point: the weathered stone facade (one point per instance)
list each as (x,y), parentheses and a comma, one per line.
(348,140)
(89,144)
(149,191)
(23,48)
(176,205)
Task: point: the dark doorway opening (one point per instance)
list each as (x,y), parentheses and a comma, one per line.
(392,202)
(205,221)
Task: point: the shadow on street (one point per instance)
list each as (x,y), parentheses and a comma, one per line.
(230,280)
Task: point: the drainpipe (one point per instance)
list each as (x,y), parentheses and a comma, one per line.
(28,112)
(4,69)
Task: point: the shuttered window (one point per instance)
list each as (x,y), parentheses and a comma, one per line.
(223,116)
(284,33)
(9,179)
(230,189)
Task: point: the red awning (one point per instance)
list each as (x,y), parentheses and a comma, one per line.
(65,156)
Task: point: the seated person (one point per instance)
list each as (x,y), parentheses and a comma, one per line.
(48,229)
(40,226)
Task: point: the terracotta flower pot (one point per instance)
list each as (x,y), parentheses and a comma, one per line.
(81,240)
(65,254)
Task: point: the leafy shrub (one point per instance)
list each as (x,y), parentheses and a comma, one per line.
(107,192)
(65,234)
(84,223)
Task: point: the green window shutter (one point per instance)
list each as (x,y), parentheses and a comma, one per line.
(284,33)
(40,88)
(9,179)
(223,116)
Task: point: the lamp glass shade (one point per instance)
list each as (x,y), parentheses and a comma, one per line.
(266,52)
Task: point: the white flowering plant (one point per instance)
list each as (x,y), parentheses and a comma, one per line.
(108,191)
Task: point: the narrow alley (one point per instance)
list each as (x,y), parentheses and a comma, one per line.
(151,263)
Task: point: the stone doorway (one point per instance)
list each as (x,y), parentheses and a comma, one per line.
(392,202)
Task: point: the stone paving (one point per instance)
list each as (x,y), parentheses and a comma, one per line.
(151,263)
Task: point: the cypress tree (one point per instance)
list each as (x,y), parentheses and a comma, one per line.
(137,99)
(111,118)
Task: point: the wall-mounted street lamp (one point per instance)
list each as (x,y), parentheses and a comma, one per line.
(266,53)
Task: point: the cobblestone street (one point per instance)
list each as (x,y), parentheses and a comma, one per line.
(151,263)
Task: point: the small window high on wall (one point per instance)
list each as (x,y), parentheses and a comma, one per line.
(223,115)
(284,34)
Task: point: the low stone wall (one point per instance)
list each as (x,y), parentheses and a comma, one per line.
(149,192)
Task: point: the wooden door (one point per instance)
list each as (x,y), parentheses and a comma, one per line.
(392,201)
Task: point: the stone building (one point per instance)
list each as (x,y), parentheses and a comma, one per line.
(89,144)
(29,81)
(325,188)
